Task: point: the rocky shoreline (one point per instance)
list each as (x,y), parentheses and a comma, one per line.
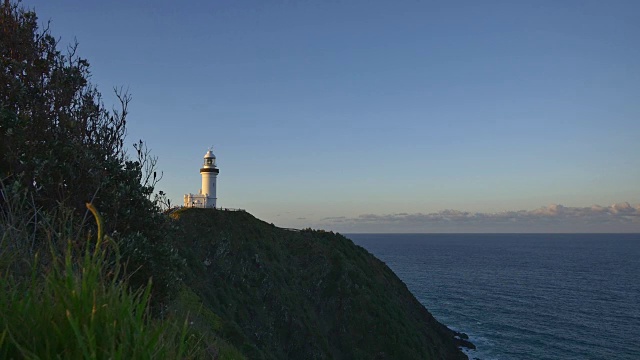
(462,340)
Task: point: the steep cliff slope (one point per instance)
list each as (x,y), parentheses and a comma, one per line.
(276,293)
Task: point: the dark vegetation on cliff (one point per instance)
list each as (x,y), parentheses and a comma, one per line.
(138,283)
(303,294)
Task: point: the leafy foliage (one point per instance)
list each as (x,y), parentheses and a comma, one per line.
(56,131)
(61,147)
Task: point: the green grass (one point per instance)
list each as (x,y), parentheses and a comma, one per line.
(81,309)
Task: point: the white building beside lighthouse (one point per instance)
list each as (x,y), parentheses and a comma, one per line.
(207,196)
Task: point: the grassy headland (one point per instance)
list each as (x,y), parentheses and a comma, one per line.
(248,290)
(307,294)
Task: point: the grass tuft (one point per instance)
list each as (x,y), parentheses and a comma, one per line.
(79,308)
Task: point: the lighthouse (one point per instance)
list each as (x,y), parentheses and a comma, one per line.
(206,198)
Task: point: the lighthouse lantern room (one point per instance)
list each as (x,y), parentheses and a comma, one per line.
(207,196)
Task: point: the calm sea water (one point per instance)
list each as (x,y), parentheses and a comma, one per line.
(525,296)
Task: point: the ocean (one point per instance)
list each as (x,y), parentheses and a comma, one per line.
(525,296)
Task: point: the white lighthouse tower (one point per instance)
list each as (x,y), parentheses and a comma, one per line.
(207,196)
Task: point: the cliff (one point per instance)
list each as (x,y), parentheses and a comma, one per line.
(274,293)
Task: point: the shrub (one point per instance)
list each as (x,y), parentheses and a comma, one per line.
(60,147)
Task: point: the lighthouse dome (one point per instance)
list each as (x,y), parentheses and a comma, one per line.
(209,155)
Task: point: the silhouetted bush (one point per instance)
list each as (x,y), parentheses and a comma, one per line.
(61,147)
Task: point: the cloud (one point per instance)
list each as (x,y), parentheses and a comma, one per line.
(621,217)
(335,219)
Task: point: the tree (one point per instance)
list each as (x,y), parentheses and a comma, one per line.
(62,146)
(56,132)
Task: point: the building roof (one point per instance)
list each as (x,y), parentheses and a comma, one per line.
(209,154)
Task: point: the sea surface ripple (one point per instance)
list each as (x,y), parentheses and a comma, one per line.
(525,296)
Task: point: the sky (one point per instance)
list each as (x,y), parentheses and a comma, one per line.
(381,115)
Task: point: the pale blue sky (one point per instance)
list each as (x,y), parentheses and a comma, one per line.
(319,109)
